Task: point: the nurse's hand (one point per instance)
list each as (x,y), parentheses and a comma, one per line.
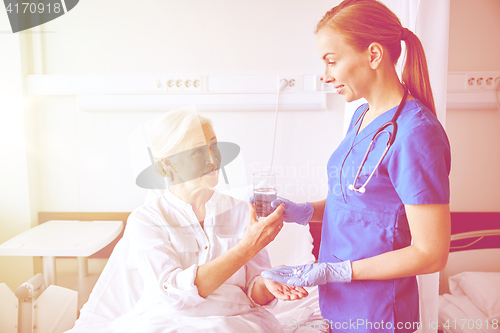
(311,274)
(285,292)
(300,213)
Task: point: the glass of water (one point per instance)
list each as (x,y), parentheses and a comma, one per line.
(264,192)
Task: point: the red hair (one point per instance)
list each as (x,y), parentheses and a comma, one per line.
(363,22)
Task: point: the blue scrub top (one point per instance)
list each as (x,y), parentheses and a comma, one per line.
(355,226)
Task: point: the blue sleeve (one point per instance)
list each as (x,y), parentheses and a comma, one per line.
(420,165)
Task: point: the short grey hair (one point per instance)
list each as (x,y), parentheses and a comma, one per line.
(168,136)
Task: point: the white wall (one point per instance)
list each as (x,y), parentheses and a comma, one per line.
(18,191)
(78,161)
(86,166)
(474,134)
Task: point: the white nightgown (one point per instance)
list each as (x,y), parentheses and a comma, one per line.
(167,244)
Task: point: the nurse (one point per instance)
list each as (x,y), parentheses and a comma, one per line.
(384,220)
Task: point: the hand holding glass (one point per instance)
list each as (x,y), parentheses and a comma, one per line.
(264,192)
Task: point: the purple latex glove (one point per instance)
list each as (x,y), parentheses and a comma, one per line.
(300,213)
(311,274)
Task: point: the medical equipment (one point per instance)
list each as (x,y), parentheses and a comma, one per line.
(283,84)
(35,308)
(325,102)
(392,137)
(497,90)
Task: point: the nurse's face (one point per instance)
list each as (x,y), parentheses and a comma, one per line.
(345,67)
(198,166)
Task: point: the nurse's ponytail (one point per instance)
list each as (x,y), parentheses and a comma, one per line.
(415,73)
(363,22)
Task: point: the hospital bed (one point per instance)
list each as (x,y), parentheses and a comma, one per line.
(298,316)
(469,298)
(35,308)
(294,245)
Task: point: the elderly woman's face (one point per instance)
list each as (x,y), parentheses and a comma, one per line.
(200,163)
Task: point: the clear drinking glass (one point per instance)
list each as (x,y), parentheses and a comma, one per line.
(264,192)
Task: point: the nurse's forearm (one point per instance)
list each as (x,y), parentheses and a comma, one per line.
(319,209)
(430,230)
(392,265)
(213,274)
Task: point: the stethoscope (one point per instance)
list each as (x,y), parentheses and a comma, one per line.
(392,137)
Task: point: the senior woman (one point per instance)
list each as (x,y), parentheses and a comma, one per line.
(199,252)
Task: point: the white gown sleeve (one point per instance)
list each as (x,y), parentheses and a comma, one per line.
(159,263)
(254,267)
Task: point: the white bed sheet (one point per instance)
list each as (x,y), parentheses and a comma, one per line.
(457,314)
(109,301)
(470,287)
(295,316)
(301,316)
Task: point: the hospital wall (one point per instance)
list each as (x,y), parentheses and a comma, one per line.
(18,193)
(82,159)
(474,134)
(86,158)
(79,161)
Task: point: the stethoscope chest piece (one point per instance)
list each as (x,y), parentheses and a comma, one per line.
(362,189)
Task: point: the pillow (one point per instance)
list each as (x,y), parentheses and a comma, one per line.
(482,288)
(470,311)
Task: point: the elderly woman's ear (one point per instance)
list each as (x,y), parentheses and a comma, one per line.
(165,168)
(166,163)
(168,167)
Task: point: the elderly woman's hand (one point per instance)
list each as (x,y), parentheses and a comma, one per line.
(261,232)
(285,292)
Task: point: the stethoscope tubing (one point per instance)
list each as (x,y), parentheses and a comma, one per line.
(392,137)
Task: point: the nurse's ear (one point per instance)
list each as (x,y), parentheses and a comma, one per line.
(375,54)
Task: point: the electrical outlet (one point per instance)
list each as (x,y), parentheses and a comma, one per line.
(170,83)
(192,83)
(293,82)
(184,83)
(482,80)
(175,84)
